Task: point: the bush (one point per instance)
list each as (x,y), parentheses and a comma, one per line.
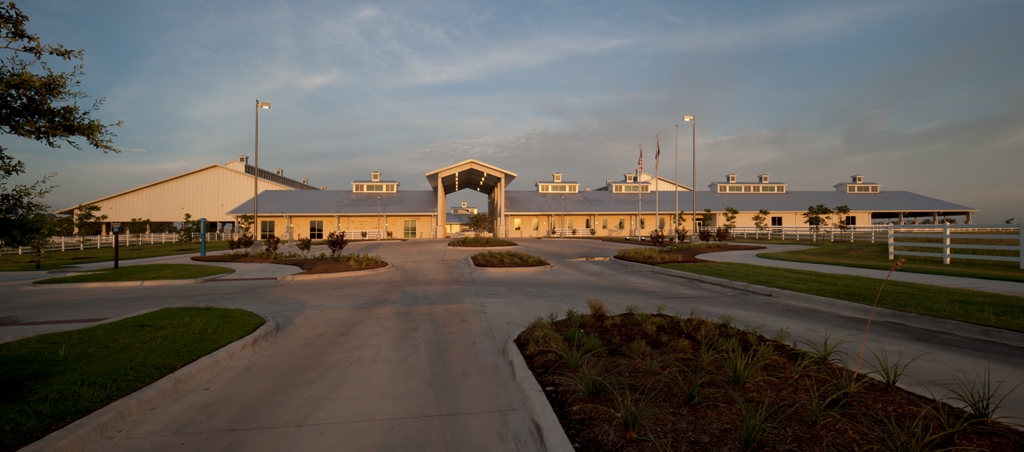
(705,234)
(721,234)
(682,234)
(336,242)
(658,238)
(480,242)
(271,245)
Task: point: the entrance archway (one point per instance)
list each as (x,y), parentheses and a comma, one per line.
(472,175)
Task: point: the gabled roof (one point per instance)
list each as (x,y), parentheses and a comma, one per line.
(142,187)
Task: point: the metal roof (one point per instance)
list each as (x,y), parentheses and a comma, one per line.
(331,202)
(792,201)
(342,202)
(457,218)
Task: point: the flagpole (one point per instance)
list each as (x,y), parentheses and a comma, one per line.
(639,198)
(676,214)
(657,163)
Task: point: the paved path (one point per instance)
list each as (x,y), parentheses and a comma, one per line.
(750,257)
(411,359)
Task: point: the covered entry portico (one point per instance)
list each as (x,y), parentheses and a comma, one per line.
(473,175)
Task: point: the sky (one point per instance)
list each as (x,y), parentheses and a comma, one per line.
(918,95)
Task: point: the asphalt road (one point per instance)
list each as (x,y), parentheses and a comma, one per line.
(411,359)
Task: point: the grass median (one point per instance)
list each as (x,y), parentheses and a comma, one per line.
(508,259)
(51,380)
(480,242)
(59,259)
(876,256)
(149,272)
(982,308)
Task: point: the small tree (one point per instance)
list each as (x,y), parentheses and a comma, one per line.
(761,220)
(271,244)
(137,227)
(336,242)
(815,217)
(86,221)
(304,245)
(244,223)
(839,218)
(705,234)
(40,235)
(730,218)
(593,232)
(480,223)
(188,229)
(658,238)
(707,218)
(722,233)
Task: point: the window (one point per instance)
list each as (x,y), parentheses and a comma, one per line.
(661,223)
(587,221)
(604,223)
(768,189)
(266,229)
(536,225)
(316,229)
(735,188)
(721,188)
(874,189)
(571,224)
(359,187)
(756,188)
(776,221)
(622,223)
(517,224)
(645,189)
(851,220)
(631,188)
(747,188)
(643,223)
(544,188)
(618,189)
(409,229)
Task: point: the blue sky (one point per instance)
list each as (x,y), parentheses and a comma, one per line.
(925,96)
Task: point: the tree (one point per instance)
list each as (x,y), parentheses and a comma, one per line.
(188,229)
(839,220)
(42,105)
(682,233)
(761,220)
(815,217)
(41,230)
(137,227)
(336,242)
(480,222)
(86,221)
(707,218)
(730,218)
(244,223)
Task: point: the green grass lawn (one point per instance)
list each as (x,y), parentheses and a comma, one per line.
(983,308)
(51,380)
(149,272)
(59,259)
(876,256)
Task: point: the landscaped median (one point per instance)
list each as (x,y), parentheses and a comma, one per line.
(481,242)
(508,259)
(312,265)
(677,253)
(654,382)
(51,380)
(74,256)
(149,272)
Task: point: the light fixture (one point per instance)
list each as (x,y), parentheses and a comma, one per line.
(265,105)
(687,118)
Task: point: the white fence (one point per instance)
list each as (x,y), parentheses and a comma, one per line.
(107,241)
(947,233)
(832,234)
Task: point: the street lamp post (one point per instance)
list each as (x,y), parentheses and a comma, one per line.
(675,221)
(256,175)
(693,189)
(563,216)
(378,218)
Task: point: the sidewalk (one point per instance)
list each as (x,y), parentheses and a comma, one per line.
(750,257)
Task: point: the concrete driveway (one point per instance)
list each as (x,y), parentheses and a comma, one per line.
(411,359)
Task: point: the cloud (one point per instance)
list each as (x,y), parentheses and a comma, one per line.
(135,150)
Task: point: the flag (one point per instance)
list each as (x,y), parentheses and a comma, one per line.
(657,154)
(641,161)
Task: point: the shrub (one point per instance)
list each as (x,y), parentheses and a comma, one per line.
(597,308)
(336,242)
(658,238)
(705,234)
(480,242)
(722,233)
(682,234)
(272,244)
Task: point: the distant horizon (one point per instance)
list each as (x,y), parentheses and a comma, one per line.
(921,95)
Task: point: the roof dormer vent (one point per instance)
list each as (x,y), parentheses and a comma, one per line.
(243,159)
(279,171)
(375,176)
(586,189)
(305,181)
(857,179)
(629,177)
(557,177)
(731,178)
(763,178)
(323,188)
(464,203)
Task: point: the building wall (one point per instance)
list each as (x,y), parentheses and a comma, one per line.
(353,224)
(204,194)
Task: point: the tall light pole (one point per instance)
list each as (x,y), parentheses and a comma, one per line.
(378,218)
(256,175)
(676,215)
(563,216)
(693,189)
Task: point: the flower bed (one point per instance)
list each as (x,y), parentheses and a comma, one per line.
(314,265)
(651,382)
(677,254)
(508,259)
(480,242)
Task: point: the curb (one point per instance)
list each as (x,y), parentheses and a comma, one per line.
(540,268)
(924,322)
(108,420)
(534,402)
(386,268)
(159,282)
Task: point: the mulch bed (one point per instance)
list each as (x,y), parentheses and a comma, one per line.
(311,266)
(689,255)
(857,422)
